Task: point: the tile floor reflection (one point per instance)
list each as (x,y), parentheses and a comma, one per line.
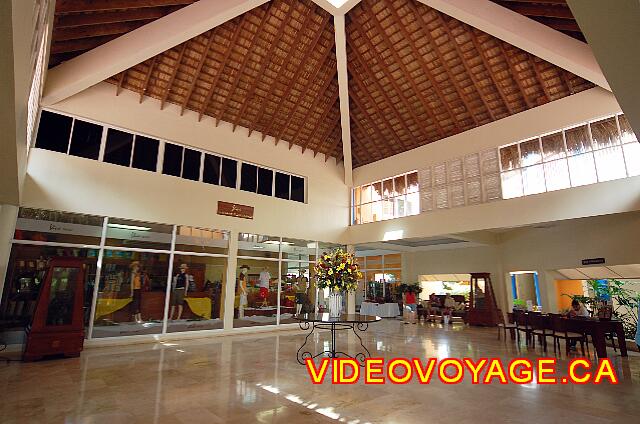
(255,378)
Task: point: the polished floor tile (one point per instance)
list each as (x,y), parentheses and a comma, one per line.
(255,378)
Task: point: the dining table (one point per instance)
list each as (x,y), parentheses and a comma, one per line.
(597,329)
(384,310)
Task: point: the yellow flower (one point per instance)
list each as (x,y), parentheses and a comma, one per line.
(330,272)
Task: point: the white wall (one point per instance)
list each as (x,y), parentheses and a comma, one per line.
(61,182)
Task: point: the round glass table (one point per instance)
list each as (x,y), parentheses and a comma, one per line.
(354,322)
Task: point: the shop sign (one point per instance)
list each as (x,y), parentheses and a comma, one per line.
(141,235)
(235,210)
(40,226)
(593,261)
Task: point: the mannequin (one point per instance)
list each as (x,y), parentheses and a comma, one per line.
(264,278)
(136,290)
(181,283)
(242,290)
(301,289)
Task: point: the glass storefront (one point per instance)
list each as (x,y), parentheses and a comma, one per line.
(144,278)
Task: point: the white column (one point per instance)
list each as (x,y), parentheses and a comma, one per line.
(230,286)
(351,296)
(8,216)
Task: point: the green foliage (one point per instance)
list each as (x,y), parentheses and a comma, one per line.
(414,288)
(625,302)
(519,304)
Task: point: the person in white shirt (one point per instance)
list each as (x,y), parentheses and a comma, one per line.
(264,279)
(578,309)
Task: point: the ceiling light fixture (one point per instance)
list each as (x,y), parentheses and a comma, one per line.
(128,227)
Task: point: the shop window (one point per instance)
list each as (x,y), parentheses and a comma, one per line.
(85,140)
(191,165)
(118,147)
(54,132)
(197,293)
(58,227)
(258,245)
(297,189)
(229,173)
(249,177)
(136,234)
(256,299)
(131,294)
(282,185)
(201,240)
(265,181)
(172,160)
(211,172)
(145,153)
(296,291)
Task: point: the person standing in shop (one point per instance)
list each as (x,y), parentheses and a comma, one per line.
(180,287)
(242,290)
(136,290)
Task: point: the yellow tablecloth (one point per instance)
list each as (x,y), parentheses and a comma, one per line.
(200,306)
(109,306)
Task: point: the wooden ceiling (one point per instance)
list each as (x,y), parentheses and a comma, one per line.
(553,13)
(415,75)
(418,75)
(271,70)
(81,25)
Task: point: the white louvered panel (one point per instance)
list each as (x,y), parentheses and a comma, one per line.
(456,194)
(441,197)
(424,178)
(473,191)
(439,175)
(454,171)
(489,161)
(426,200)
(472,166)
(491,187)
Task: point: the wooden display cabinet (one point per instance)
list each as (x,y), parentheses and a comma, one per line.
(57,327)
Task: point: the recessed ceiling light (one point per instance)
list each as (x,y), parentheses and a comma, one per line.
(286,243)
(129,227)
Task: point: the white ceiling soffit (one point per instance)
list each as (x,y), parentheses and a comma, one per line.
(128,50)
(445,277)
(572,274)
(631,271)
(626,271)
(598,272)
(525,33)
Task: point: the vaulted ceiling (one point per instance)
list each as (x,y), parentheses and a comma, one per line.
(81,25)
(552,13)
(416,75)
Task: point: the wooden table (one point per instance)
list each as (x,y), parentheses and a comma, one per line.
(597,329)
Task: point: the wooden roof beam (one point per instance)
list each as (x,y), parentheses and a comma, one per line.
(141,44)
(196,76)
(343,90)
(80,6)
(445,25)
(174,72)
(313,106)
(268,59)
(223,64)
(526,34)
(312,79)
(303,62)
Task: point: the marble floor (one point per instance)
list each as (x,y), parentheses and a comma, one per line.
(255,378)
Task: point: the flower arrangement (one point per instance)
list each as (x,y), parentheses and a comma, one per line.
(337,271)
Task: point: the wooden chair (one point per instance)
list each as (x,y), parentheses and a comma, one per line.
(540,327)
(503,326)
(559,326)
(522,325)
